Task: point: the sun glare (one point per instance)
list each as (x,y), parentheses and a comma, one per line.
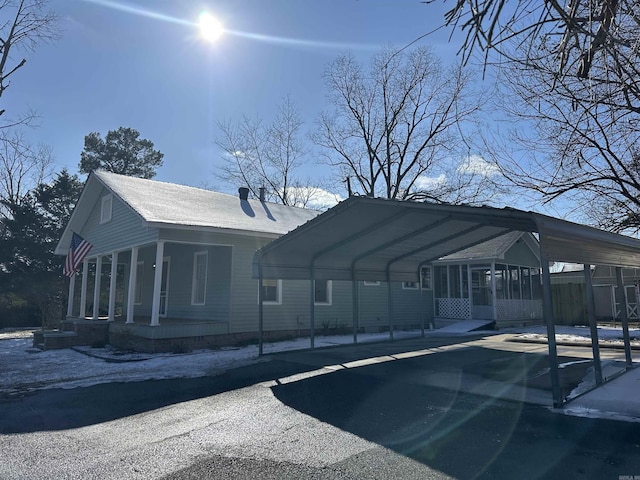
(210,28)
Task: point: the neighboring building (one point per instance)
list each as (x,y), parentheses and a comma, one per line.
(605,288)
(171,269)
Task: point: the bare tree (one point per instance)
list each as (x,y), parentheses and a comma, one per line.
(396,128)
(579,30)
(270,156)
(583,148)
(22,167)
(574,71)
(24,24)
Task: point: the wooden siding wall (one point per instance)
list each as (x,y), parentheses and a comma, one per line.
(218,284)
(520,254)
(232,293)
(121,232)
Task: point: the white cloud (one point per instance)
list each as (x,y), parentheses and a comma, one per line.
(431,183)
(318,198)
(476,165)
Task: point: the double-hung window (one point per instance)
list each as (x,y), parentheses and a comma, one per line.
(272,291)
(322,292)
(106,208)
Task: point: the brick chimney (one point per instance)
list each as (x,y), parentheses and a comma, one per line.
(243,193)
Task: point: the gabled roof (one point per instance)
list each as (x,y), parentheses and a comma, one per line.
(164,204)
(169,205)
(495,248)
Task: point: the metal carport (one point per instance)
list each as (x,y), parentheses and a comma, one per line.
(376,239)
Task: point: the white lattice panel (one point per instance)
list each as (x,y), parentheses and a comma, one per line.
(454,307)
(518,309)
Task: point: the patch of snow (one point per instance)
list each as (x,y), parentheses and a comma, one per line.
(24,369)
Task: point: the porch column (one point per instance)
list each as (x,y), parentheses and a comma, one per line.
(112,286)
(96,288)
(591,315)
(624,317)
(133,268)
(83,289)
(547,304)
(157,282)
(72,289)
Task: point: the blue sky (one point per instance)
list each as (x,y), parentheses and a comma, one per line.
(143,64)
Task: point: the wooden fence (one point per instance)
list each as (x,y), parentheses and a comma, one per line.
(569,304)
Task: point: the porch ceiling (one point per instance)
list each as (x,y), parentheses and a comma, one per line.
(377,239)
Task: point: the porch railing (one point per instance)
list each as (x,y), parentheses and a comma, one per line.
(514,309)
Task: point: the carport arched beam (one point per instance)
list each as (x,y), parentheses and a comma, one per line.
(430,245)
(464,247)
(363,233)
(395,241)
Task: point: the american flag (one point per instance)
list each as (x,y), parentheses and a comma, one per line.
(77,251)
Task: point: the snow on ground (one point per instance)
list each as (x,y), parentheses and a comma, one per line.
(606,335)
(24,369)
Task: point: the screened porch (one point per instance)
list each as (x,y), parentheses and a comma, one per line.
(491,291)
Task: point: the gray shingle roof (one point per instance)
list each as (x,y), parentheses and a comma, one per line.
(161,203)
(489,249)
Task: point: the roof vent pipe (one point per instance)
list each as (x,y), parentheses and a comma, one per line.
(243,192)
(262,194)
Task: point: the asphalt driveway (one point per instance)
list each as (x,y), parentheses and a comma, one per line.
(424,408)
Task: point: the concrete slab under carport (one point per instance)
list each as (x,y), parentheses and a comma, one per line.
(429,362)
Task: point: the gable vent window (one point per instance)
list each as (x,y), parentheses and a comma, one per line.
(105,211)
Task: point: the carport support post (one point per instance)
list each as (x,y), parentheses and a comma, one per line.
(591,314)
(624,318)
(355,293)
(260,309)
(312,308)
(390,306)
(547,304)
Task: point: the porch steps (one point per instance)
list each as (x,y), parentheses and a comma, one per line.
(72,333)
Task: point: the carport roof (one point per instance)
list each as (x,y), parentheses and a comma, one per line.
(373,239)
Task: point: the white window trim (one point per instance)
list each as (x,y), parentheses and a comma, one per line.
(278,293)
(139,281)
(329,301)
(106,212)
(371,284)
(405,287)
(204,253)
